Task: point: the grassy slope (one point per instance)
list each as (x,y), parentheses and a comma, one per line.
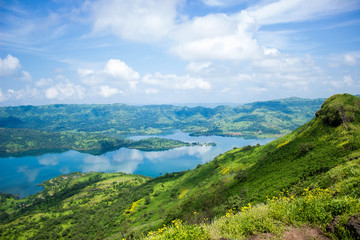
(322,154)
(311,156)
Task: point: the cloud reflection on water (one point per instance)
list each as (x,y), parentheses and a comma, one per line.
(48,160)
(31,174)
(128,160)
(195,151)
(123,160)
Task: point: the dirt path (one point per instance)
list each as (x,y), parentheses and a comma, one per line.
(303,233)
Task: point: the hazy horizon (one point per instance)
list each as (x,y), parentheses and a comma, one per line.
(185,104)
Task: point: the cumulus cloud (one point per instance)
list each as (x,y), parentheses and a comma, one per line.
(172,81)
(65,89)
(107,91)
(9,66)
(136,20)
(119,69)
(25,93)
(218,36)
(115,72)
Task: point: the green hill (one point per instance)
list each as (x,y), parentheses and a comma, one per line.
(309,178)
(264,119)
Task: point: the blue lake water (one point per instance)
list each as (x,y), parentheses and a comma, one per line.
(21,175)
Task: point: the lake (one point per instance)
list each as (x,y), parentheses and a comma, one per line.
(21,175)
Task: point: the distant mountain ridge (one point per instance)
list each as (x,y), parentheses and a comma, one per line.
(267,119)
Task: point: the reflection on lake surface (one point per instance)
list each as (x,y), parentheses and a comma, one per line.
(21,175)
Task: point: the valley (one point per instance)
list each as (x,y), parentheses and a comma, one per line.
(309,177)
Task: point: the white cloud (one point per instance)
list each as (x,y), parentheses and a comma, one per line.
(115,72)
(64,90)
(43,82)
(107,91)
(193,83)
(197,67)
(350,59)
(234,37)
(9,66)
(218,36)
(136,20)
(348,80)
(285,11)
(26,93)
(119,69)
(133,85)
(283,63)
(271,51)
(89,77)
(172,81)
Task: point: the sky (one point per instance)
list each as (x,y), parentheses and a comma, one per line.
(177,51)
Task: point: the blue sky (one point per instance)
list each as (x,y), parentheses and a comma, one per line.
(177,51)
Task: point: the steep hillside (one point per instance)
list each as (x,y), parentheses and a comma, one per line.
(310,177)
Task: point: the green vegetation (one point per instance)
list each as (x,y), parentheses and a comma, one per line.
(272,219)
(160,144)
(30,130)
(262,119)
(26,141)
(309,178)
(20,142)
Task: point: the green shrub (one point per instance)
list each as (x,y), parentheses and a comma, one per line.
(179,231)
